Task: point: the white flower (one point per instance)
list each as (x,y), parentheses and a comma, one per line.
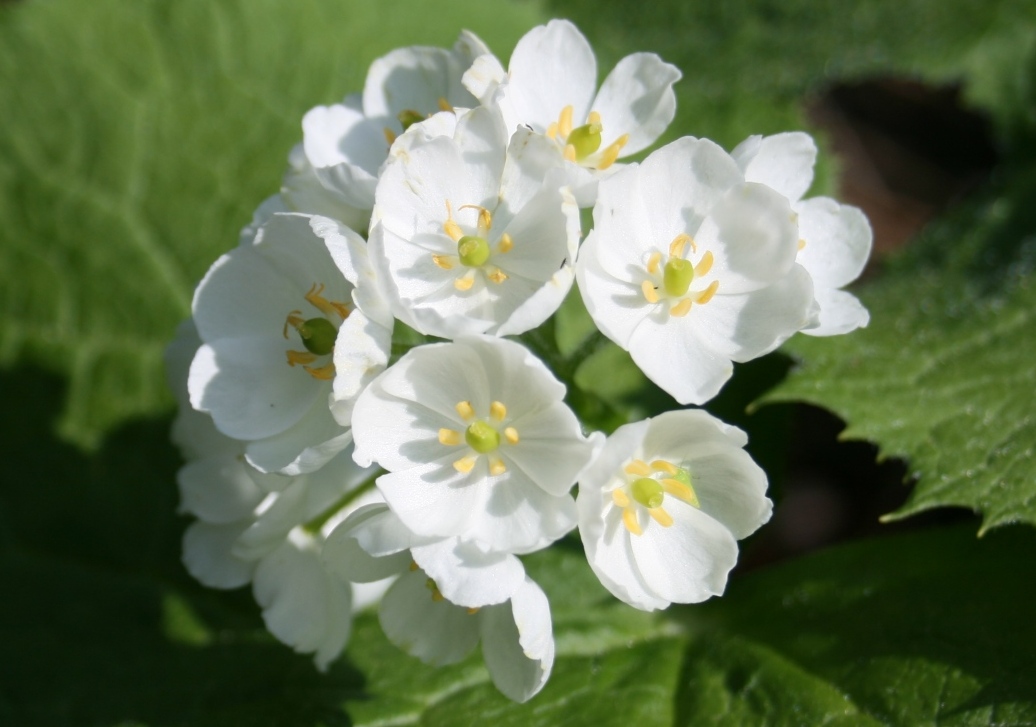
(689,267)
(661,508)
(551,87)
(270,314)
(451,595)
(477,441)
(345,144)
(465,239)
(835,239)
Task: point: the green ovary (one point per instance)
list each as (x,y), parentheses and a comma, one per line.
(647,492)
(318,336)
(472,250)
(677,276)
(585,139)
(482,437)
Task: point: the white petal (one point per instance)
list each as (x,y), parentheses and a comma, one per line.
(637,98)
(217,490)
(414,79)
(783,162)
(468,576)
(337,134)
(303,190)
(616,304)
(552,67)
(435,631)
(344,555)
(671,354)
(361,352)
(305,446)
(207,555)
(485,74)
(840,312)
(552,449)
(838,241)
(518,643)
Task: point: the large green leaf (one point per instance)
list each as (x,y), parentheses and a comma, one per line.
(138,138)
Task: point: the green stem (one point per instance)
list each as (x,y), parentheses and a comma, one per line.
(313,526)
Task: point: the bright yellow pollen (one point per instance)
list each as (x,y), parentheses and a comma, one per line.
(629,519)
(638,467)
(497,410)
(653,261)
(497,276)
(612,151)
(449,437)
(497,467)
(662,466)
(464,283)
(505,244)
(681,491)
(511,435)
(706,295)
(705,264)
(679,244)
(650,294)
(565,121)
(465,410)
(620,498)
(661,517)
(443,261)
(465,464)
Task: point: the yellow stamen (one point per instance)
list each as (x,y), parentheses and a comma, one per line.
(638,467)
(620,498)
(443,261)
(466,411)
(436,596)
(612,151)
(679,244)
(464,283)
(511,435)
(680,491)
(451,228)
(413,566)
(704,265)
(445,105)
(390,135)
(650,294)
(552,130)
(662,466)
(569,153)
(497,276)
(316,298)
(593,118)
(301,357)
(485,218)
(706,295)
(497,467)
(629,519)
(661,517)
(565,121)
(324,373)
(802,243)
(497,410)
(681,309)
(294,320)
(464,465)
(653,261)
(505,244)
(472,611)
(449,437)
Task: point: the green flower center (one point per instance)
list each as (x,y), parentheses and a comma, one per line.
(482,437)
(677,276)
(585,139)
(473,250)
(318,335)
(648,492)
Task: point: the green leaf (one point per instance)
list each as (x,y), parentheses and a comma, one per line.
(138,138)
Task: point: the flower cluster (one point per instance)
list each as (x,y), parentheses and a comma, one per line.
(331,470)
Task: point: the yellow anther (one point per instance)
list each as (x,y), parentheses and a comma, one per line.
(802,243)
(472,611)
(505,244)
(301,357)
(450,227)
(629,519)
(511,435)
(569,153)
(593,118)
(650,294)
(316,298)
(612,151)
(662,466)
(436,596)
(390,135)
(485,217)
(464,464)
(497,410)
(620,498)
(445,105)
(466,411)
(653,261)
(681,309)
(706,295)
(705,264)
(413,566)
(443,261)
(679,245)
(497,466)
(449,437)
(565,121)
(323,373)
(294,320)
(340,308)
(497,276)
(464,283)
(552,130)
(661,517)
(681,491)
(638,467)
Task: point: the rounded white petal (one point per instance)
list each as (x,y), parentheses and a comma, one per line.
(484,76)
(637,98)
(305,446)
(840,312)
(434,630)
(218,489)
(468,576)
(518,642)
(333,135)
(417,77)
(207,555)
(303,190)
(837,240)
(671,354)
(373,525)
(783,162)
